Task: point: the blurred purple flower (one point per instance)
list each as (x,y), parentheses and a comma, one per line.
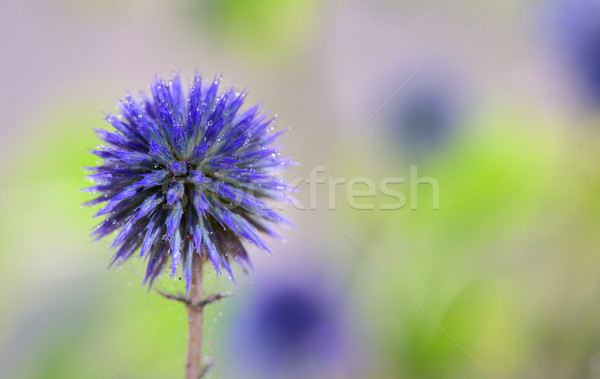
(424,118)
(293,328)
(427,113)
(184,176)
(578,25)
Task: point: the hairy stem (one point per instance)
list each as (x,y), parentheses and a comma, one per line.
(193,368)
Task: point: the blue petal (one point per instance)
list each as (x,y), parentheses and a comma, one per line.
(173,220)
(148,206)
(153,230)
(175,245)
(175,193)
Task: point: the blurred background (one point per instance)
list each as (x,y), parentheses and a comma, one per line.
(498,101)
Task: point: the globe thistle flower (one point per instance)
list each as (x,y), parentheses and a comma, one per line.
(293,327)
(424,119)
(187,175)
(427,115)
(579,31)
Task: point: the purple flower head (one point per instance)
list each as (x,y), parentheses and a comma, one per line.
(292,328)
(183,176)
(425,118)
(291,319)
(578,26)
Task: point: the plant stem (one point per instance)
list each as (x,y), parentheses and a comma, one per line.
(193,368)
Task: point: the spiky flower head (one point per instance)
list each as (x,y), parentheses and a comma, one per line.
(184,176)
